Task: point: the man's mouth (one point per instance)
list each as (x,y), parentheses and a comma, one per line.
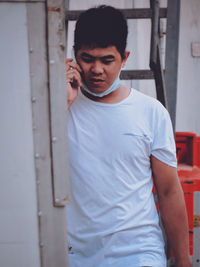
(96,81)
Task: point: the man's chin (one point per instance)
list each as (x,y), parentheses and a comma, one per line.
(96,85)
(97,88)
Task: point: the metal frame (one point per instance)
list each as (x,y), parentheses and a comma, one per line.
(58,97)
(155,57)
(129,13)
(51,219)
(137,75)
(171,58)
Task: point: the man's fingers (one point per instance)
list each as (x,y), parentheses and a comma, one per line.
(73,77)
(71,64)
(75,66)
(69,60)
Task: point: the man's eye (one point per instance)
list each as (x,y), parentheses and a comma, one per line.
(107,61)
(87,60)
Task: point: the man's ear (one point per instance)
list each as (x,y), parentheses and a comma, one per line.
(126,55)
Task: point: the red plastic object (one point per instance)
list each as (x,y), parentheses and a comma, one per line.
(188,148)
(188,156)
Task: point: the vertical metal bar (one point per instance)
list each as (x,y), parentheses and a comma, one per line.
(58,103)
(159,80)
(154,32)
(171,59)
(155,57)
(36,23)
(196,233)
(66,5)
(66,22)
(52,220)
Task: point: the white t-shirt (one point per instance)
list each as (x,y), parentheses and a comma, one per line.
(112,219)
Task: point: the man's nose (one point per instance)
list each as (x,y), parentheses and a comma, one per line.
(97,68)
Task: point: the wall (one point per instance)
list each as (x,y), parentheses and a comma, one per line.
(18,204)
(188,97)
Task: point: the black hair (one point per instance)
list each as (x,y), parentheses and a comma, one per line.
(101,26)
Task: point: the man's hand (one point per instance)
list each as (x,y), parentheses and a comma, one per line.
(73,80)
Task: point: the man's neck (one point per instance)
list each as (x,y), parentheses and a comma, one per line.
(114,97)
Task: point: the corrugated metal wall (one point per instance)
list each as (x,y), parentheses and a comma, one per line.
(18,200)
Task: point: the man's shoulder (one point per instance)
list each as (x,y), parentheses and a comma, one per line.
(148,102)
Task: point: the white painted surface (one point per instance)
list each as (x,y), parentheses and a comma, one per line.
(18,204)
(195,49)
(188,97)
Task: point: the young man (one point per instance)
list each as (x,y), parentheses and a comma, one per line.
(118,137)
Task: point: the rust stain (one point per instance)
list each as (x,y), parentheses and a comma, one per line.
(62,47)
(54,9)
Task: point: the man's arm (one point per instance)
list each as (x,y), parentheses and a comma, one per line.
(172,209)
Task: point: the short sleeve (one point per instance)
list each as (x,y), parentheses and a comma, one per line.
(163,145)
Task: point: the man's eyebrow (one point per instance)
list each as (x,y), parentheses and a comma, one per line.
(84,54)
(108,57)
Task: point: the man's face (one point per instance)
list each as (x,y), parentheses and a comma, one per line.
(100,66)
